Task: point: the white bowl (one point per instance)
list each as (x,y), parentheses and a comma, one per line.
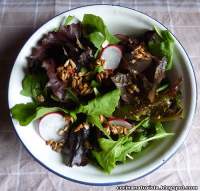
(119,20)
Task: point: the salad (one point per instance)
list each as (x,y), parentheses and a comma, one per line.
(97,97)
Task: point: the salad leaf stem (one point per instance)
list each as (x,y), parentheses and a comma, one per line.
(144,122)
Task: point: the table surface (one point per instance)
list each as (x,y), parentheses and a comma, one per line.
(18,20)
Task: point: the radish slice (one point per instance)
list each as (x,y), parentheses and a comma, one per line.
(112,55)
(120,122)
(49,126)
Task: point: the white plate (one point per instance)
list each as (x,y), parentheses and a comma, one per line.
(119,20)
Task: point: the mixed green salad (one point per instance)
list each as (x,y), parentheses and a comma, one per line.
(98,97)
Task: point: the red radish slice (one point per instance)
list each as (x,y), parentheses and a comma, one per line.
(122,37)
(112,55)
(120,122)
(49,126)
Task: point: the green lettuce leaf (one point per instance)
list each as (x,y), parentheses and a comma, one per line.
(97,31)
(117,151)
(25,113)
(102,105)
(163,45)
(111,151)
(33,85)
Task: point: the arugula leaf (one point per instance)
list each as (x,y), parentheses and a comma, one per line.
(33,85)
(144,123)
(117,151)
(163,45)
(111,151)
(25,113)
(95,121)
(103,105)
(97,31)
(160,133)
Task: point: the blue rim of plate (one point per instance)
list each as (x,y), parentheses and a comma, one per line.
(119,182)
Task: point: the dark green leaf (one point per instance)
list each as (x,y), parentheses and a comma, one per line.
(33,85)
(117,151)
(144,123)
(97,31)
(111,151)
(103,105)
(25,113)
(93,23)
(41,111)
(163,45)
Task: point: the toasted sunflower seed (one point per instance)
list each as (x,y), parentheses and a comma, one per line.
(55,145)
(40,98)
(61,132)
